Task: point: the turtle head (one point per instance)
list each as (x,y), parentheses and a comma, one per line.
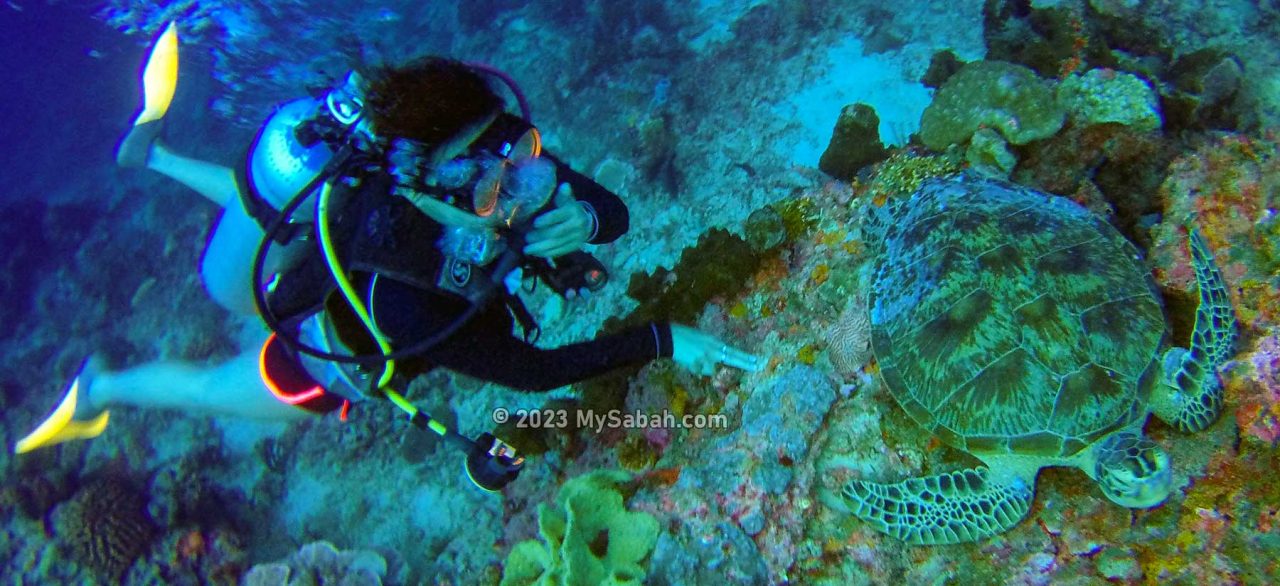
(1132,470)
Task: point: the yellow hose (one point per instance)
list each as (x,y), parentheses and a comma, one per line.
(348,291)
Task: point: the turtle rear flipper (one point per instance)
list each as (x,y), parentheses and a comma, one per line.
(1196,394)
(956,507)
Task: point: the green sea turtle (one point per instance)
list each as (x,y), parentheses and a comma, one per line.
(1021,329)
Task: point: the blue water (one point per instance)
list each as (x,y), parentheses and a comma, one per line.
(65,97)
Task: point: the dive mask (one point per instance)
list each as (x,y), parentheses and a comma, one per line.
(509,192)
(345,102)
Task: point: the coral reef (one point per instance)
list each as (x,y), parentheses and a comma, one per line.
(1189,54)
(1111,169)
(904,170)
(1052,40)
(195,557)
(655,153)
(764,229)
(942,66)
(688,102)
(106,525)
(590,538)
(1226,520)
(849,338)
(740,515)
(1004,96)
(1258,410)
(33,493)
(1229,189)
(799,215)
(705,551)
(637,452)
(1101,96)
(321,563)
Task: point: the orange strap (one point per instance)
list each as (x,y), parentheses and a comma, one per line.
(314,392)
(537,142)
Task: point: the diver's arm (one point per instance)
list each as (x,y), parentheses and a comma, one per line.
(611,216)
(529,368)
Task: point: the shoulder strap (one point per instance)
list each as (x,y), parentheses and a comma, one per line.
(257,206)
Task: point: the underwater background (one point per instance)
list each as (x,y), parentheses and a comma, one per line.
(749,138)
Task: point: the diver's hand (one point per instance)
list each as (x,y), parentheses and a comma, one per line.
(561,230)
(700,352)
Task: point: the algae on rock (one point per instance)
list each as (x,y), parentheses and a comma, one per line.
(855,143)
(719,264)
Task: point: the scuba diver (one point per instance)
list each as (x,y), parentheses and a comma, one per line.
(381,229)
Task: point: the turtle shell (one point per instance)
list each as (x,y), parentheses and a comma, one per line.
(1010,321)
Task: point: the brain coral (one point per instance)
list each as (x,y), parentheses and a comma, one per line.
(995,94)
(850,338)
(106,525)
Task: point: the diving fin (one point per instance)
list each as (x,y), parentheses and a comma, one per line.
(61,426)
(159,81)
(160,76)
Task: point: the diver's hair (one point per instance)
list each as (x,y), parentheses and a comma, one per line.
(428,100)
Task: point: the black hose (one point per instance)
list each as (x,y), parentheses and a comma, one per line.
(507,263)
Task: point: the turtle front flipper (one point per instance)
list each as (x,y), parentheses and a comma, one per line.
(1195,397)
(955,507)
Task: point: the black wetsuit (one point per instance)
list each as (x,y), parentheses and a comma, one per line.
(486,347)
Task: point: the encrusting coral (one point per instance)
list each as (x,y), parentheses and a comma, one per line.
(995,94)
(1102,96)
(989,154)
(1229,188)
(321,563)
